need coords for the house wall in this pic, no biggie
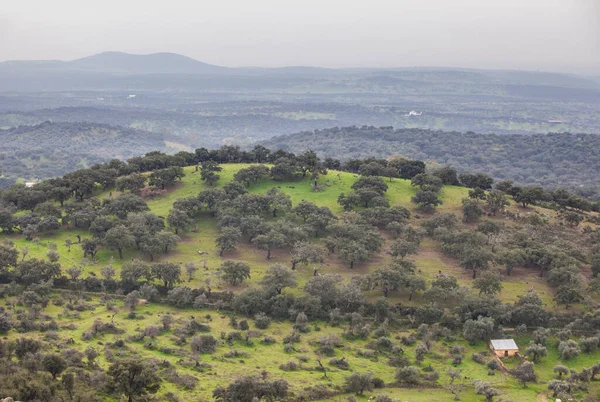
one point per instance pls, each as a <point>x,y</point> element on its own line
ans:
<point>501,353</point>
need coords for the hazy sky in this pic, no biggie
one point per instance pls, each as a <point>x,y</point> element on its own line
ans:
<point>559,35</point>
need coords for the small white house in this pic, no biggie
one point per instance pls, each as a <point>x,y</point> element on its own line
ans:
<point>504,347</point>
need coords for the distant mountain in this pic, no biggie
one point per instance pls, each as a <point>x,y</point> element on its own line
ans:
<point>160,71</point>
<point>120,63</point>
<point>157,63</point>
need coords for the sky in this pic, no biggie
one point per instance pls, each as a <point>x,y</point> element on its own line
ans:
<point>549,35</point>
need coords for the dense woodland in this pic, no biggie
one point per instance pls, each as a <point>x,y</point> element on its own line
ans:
<point>551,160</point>
<point>52,149</point>
<point>334,282</point>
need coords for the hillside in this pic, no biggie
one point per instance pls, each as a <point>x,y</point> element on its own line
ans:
<point>557,159</point>
<point>52,149</point>
<point>201,305</point>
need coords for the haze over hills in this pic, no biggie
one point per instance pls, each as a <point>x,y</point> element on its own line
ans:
<point>117,65</point>
<point>120,63</point>
<point>192,104</point>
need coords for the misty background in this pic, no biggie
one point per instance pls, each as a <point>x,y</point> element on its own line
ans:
<point>510,88</point>
<point>549,35</point>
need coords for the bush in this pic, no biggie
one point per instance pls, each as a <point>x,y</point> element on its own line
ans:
<point>408,375</point>
<point>408,341</point>
<point>268,340</point>
<point>359,382</point>
<point>204,344</point>
<point>289,366</point>
<point>478,358</point>
<point>589,345</point>
<point>378,382</point>
<point>432,376</point>
<point>399,361</point>
<point>262,321</point>
<point>293,337</point>
<point>568,349</point>
<point>341,363</point>
<point>236,354</point>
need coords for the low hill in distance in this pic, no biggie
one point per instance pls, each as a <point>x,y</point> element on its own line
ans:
<point>555,160</point>
<point>52,149</point>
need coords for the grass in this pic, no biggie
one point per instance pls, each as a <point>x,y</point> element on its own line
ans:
<point>429,261</point>
<point>260,357</point>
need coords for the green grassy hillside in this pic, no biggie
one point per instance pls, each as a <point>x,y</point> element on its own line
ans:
<point>252,356</point>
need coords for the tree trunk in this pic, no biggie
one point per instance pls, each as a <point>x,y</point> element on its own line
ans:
<point>351,264</point>
<point>474,273</point>
<point>275,213</point>
<point>120,253</point>
<point>221,253</point>
<point>410,295</point>
<point>268,254</point>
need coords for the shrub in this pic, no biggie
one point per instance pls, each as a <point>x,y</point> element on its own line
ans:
<point>433,376</point>
<point>341,363</point>
<point>478,358</point>
<point>293,337</point>
<point>378,382</point>
<point>589,345</point>
<point>327,344</point>
<point>568,349</point>
<point>493,365</point>
<point>289,366</point>
<point>408,341</point>
<point>234,336</point>
<point>262,321</point>
<point>399,361</point>
<point>204,344</point>
<point>359,382</point>
<point>408,375</point>
<point>268,340</point>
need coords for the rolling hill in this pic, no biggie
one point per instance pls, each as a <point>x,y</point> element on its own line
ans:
<point>554,160</point>
<point>202,333</point>
<point>51,149</point>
